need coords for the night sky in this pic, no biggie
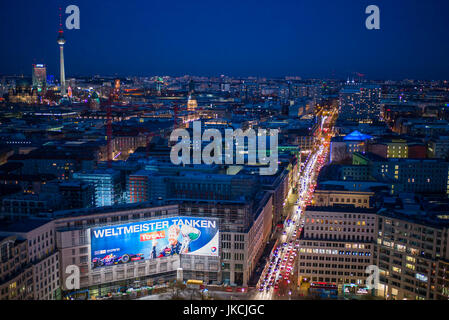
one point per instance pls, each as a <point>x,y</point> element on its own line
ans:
<point>313,38</point>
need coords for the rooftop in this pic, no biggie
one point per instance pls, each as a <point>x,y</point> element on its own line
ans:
<point>22,226</point>
<point>344,208</point>
<point>357,136</point>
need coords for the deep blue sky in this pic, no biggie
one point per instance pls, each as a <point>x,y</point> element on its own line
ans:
<point>313,38</point>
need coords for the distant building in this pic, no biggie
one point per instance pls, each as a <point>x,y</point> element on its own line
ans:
<point>417,150</point>
<point>408,175</point>
<point>398,148</point>
<point>192,104</point>
<point>342,148</point>
<point>329,198</point>
<point>61,162</point>
<point>108,190</point>
<point>77,194</point>
<point>303,137</point>
<point>439,147</point>
<point>139,186</point>
<point>39,77</point>
<point>360,102</point>
<point>20,206</point>
<point>23,93</point>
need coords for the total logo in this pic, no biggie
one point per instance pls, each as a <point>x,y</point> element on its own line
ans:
<point>213,249</point>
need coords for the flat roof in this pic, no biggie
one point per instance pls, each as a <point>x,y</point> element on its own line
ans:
<point>23,226</point>
<point>348,209</point>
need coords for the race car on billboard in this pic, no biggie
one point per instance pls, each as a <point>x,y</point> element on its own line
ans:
<point>112,259</point>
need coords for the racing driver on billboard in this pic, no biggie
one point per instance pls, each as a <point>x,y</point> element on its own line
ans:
<point>174,246</point>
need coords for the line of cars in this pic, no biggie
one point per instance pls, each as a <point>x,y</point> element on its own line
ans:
<point>281,264</point>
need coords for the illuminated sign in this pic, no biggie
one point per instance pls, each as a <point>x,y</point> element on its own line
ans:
<point>153,239</point>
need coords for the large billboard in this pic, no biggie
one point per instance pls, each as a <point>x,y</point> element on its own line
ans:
<point>153,239</point>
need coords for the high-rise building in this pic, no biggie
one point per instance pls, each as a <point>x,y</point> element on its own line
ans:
<point>61,42</point>
<point>360,102</point>
<point>39,77</point>
<point>159,83</point>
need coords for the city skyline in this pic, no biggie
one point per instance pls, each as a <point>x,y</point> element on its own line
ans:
<point>262,41</point>
<point>244,151</point>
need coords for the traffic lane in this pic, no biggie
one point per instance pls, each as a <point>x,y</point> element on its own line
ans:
<point>273,270</point>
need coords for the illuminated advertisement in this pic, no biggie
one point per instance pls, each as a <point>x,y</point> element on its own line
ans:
<point>153,239</point>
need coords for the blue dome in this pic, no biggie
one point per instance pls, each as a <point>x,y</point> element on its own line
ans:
<point>357,136</point>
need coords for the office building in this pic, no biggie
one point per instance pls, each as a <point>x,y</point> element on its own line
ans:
<point>337,245</point>
<point>412,254</point>
<point>107,185</point>
<point>39,77</point>
<point>360,102</point>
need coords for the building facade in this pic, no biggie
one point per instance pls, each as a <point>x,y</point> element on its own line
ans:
<point>337,245</point>
<point>412,256</point>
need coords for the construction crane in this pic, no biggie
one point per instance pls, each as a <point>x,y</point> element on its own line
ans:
<point>112,97</point>
<point>109,133</point>
<point>175,116</point>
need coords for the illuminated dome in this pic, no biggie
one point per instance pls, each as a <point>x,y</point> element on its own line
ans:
<point>192,104</point>
<point>357,136</point>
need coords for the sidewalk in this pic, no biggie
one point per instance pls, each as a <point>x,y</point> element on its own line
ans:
<point>262,261</point>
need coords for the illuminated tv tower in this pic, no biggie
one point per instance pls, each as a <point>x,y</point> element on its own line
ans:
<point>61,42</point>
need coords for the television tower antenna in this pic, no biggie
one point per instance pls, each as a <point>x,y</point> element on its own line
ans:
<point>61,41</point>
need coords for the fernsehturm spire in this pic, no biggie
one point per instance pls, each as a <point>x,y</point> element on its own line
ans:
<point>61,42</point>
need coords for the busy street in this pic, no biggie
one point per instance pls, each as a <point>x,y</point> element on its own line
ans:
<point>278,277</point>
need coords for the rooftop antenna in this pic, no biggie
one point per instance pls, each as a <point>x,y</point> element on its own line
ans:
<point>61,30</point>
